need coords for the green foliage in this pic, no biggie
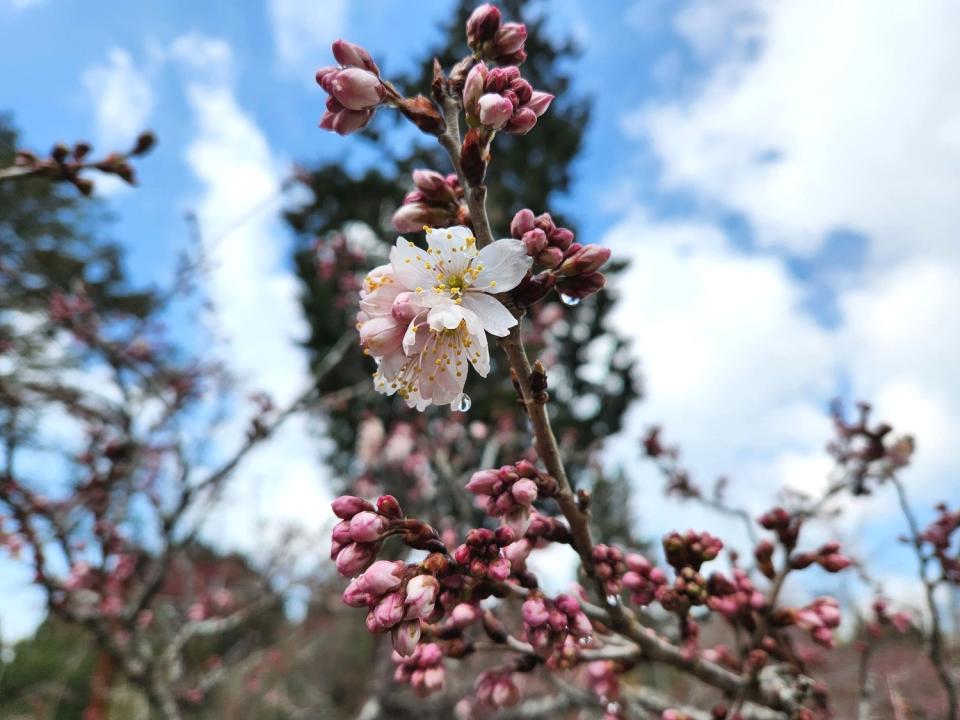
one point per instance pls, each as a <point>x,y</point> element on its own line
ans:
<point>49,676</point>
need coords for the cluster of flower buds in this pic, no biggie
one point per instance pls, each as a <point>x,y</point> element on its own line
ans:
<point>609,565</point>
<point>867,451</point>
<point>603,678</point>
<point>482,553</point>
<point>541,531</point>
<point>496,689</point>
<point>436,201</point>
<point>66,164</point>
<point>357,537</point>
<point>574,269</point>
<point>642,579</point>
<point>939,534</point>
<point>691,549</point>
<point>736,599</point>
<point>397,599</point>
<point>899,620</point>
<point>510,491</point>
<point>492,39</point>
<point>423,670</point>
<point>828,557</point>
<point>499,99</point>
<point>554,628</point>
<point>785,525</point>
<point>354,87</point>
<point>820,618</point>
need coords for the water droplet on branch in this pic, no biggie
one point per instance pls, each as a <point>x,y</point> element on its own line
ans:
<point>569,300</point>
<point>461,403</point>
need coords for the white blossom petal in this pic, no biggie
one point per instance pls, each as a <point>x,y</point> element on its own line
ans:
<point>496,319</point>
<point>412,266</point>
<point>505,262</point>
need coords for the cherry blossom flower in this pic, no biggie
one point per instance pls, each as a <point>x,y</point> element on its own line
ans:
<point>426,315</point>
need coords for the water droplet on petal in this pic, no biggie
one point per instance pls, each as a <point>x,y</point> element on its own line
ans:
<point>461,403</point>
<point>569,300</point>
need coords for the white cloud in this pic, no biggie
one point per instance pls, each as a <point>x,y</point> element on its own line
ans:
<point>303,31</point>
<point>846,116</point>
<point>122,99</point>
<point>254,294</point>
<point>812,117</point>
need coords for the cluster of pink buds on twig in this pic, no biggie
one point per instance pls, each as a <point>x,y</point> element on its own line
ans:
<point>509,492</point>
<point>492,39</point>
<point>690,549</point>
<point>572,268</point>
<point>555,628</point>
<point>356,89</point>
<point>500,99</point>
<point>642,579</point>
<point>865,451</point>
<point>357,538</point>
<point>940,536</point>
<point>436,201</point>
<point>541,531</point>
<point>66,164</point>
<point>609,565</point>
<point>736,599</point>
<point>423,670</point>
<point>396,601</point>
<point>493,689</point>
<point>482,553</point>
<point>828,557</point>
<point>882,617</point>
<point>820,618</point>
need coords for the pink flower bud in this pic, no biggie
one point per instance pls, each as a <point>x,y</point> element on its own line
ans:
<point>561,238</point>
<point>509,38</point>
<point>494,110</point>
<point>522,223</point>
<point>535,612</point>
<point>551,257</point>
<point>352,55</point>
<point>535,241</point>
<point>499,569</point>
<point>383,576</point>
<point>389,611</point>
<point>346,506</point>
<point>539,102</point>
<point>519,551</point>
<point>483,24</point>
<point>406,635</point>
<point>422,590</point>
<point>583,286</point>
<point>404,307</point>
<point>522,121</point>
<point>473,88</point>
<point>486,482</point>
<point>355,89</point>
<point>367,526</point>
<point>354,558</point>
<point>388,506</point>
<point>524,491</point>
<point>835,563</point>
<point>356,594</point>
<point>586,260</point>
<point>464,614</point>
<point>344,122</point>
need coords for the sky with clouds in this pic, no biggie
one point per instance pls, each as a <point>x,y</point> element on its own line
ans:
<point>783,175</point>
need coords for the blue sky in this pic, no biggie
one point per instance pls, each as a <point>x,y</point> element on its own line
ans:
<point>783,177</point>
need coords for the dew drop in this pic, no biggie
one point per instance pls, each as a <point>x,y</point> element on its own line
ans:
<point>569,300</point>
<point>461,403</point>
